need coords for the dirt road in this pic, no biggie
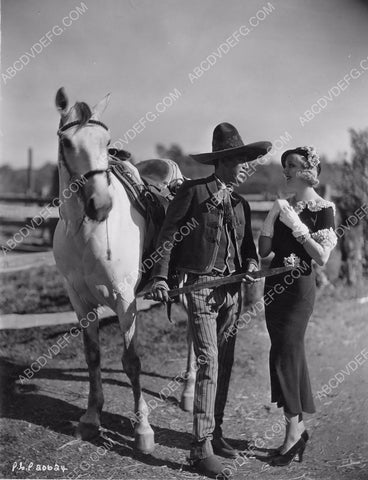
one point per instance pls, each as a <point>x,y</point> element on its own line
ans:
<point>39,417</point>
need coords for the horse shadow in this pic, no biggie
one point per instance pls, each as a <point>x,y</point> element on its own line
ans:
<point>104,323</point>
<point>26,403</point>
<point>76,375</point>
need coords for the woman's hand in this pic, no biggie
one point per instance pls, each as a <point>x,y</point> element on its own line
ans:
<point>267,227</point>
<point>291,219</point>
<point>277,206</point>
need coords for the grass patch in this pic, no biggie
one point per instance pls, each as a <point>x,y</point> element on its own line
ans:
<point>37,290</point>
<point>42,290</point>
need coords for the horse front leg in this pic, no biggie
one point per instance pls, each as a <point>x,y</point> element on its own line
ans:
<point>143,433</point>
<point>89,423</point>
<point>187,396</point>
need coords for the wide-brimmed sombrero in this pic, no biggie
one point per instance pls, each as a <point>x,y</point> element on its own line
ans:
<point>227,142</point>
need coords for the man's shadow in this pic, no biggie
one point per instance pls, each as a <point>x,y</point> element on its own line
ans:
<point>24,402</point>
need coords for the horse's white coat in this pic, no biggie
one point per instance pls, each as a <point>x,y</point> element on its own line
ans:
<point>100,260</point>
<point>81,246</point>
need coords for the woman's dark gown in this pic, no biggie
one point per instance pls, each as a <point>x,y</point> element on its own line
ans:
<point>289,300</point>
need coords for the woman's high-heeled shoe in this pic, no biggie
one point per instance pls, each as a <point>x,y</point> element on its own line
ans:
<point>304,436</point>
<point>288,457</point>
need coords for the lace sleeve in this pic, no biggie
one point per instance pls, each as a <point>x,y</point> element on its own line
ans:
<point>325,228</point>
<point>325,237</point>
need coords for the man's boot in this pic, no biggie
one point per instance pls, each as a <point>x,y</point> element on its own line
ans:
<point>210,466</point>
<point>221,447</point>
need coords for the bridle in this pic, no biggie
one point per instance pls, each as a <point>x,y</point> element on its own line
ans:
<point>90,173</point>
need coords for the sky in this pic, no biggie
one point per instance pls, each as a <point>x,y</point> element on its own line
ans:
<point>291,54</point>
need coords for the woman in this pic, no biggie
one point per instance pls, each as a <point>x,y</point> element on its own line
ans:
<point>297,231</point>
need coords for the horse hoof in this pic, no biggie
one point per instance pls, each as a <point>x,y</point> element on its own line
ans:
<point>87,431</point>
<point>186,403</point>
<point>145,442</point>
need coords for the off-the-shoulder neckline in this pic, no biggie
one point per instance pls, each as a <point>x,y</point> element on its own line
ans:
<point>314,205</point>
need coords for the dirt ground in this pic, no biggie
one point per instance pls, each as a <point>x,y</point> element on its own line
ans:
<point>39,418</point>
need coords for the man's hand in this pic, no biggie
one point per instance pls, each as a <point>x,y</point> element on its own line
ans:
<point>252,267</point>
<point>159,290</point>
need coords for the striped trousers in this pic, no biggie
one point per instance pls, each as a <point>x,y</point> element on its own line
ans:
<point>211,312</point>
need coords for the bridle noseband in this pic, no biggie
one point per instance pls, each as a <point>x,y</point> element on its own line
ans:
<point>90,173</point>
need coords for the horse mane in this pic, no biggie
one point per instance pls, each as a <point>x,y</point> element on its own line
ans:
<point>83,112</point>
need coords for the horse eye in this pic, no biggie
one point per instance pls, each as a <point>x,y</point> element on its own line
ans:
<point>66,142</point>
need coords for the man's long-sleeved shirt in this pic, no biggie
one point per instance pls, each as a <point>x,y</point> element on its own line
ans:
<point>190,238</point>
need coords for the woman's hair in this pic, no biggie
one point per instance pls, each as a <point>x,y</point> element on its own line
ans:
<point>311,167</point>
<point>309,176</point>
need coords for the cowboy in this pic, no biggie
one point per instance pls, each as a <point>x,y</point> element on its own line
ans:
<point>220,244</point>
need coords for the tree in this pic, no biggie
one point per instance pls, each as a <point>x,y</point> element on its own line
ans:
<point>353,206</point>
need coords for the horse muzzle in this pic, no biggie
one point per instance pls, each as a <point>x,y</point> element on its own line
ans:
<point>96,210</point>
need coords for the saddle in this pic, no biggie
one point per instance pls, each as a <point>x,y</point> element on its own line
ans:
<point>150,185</point>
<point>162,175</point>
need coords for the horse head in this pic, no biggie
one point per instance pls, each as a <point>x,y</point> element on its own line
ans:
<point>83,142</point>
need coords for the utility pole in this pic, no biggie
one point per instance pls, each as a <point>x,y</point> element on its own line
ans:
<point>29,173</point>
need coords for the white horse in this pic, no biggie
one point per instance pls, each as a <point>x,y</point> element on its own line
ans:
<point>98,247</point>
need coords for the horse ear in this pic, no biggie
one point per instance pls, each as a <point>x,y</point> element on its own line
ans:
<point>61,101</point>
<point>100,107</point>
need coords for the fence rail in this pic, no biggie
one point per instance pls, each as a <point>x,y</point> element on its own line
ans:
<point>34,215</point>
<point>15,263</point>
<point>19,212</point>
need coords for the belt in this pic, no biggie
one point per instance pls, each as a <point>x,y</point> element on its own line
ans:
<point>212,273</point>
<point>216,273</point>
